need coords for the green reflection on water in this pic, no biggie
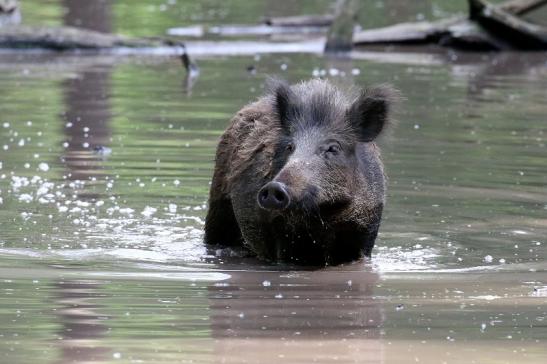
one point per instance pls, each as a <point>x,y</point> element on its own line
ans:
<point>465,164</point>
<point>149,18</point>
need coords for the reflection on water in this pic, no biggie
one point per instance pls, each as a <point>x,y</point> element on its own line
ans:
<point>465,176</point>
<point>81,325</point>
<point>325,304</point>
<point>298,317</point>
<point>86,120</point>
<point>88,112</point>
<point>95,15</point>
<point>345,314</point>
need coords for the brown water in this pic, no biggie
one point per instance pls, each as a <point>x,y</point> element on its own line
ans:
<point>104,169</point>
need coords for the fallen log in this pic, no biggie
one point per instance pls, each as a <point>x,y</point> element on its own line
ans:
<point>489,27</point>
<point>507,27</point>
<point>406,33</point>
<point>69,38</point>
<point>455,32</point>
<point>521,7</point>
<point>469,35</point>
<point>473,33</point>
<point>300,21</point>
<point>258,30</point>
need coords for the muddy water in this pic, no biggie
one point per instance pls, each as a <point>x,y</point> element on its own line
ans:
<point>104,170</point>
<point>105,165</point>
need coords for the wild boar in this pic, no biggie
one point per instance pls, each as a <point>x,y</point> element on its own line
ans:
<point>298,175</point>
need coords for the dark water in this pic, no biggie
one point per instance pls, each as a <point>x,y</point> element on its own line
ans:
<point>105,165</point>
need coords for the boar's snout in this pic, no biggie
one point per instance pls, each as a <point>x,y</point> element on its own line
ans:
<point>273,196</point>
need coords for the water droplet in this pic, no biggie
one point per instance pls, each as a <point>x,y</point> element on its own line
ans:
<point>148,211</point>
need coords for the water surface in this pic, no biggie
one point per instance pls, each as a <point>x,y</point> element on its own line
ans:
<point>105,163</point>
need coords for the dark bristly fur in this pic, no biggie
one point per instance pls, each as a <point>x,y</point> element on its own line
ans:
<point>318,143</point>
<point>368,115</point>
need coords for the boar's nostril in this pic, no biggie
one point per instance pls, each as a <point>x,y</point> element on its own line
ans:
<point>273,196</point>
<point>279,195</point>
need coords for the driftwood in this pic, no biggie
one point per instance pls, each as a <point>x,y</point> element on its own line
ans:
<point>69,38</point>
<point>300,21</point>
<point>340,34</point>
<point>258,30</point>
<point>521,7</point>
<point>406,33</point>
<point>469,35</point>
<point>489,27</point>
<point>454,32</point>
<point>271,26</point>
<point>516,32</point>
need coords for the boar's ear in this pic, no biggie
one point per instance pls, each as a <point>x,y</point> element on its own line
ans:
<point>369,114</point>
<point>285,102</point>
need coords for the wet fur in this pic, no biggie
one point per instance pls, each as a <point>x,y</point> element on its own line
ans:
<point>326,226</point>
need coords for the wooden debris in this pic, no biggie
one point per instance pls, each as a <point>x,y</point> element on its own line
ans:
<point>469,35</point>
<point>521,7</point>
<point>192,70</point>
<point>454,32</point>
<point>67,38</point>
<point>489,27</point>
<point>507,27</point>
<point>405,33</point>
<point>340,34</point>
<point>300,21</point>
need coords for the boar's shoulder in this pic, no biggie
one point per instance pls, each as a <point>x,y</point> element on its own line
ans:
<point>249,142</point>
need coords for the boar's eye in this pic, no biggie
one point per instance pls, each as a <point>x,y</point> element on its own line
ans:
<point>290,147</point>
<point>332,149</point>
